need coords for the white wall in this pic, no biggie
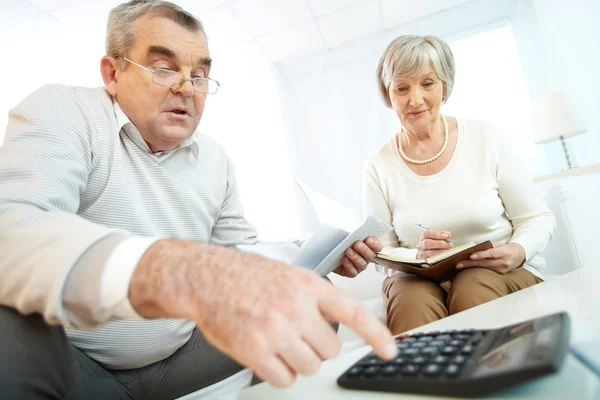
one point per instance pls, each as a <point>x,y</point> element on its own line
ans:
<point>571,38</point>
<point>559,44</point>
<point>245,117</point>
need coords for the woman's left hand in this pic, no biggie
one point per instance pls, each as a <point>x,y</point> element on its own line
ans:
<point>357,257</point>
<point>502,258</point>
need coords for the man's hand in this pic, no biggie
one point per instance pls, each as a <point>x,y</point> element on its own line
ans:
<point>357,257</point>
<point>502,258</point>
<point>267,315</point>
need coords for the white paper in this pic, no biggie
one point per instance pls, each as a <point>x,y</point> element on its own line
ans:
<point>321,243</point>
<point>285,252</point>
<point>331,243</point>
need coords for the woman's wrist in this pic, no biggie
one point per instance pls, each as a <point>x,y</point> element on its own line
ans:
<point>520,254</point>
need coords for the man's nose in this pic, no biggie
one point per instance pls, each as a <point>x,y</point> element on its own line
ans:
<point>186,87</point>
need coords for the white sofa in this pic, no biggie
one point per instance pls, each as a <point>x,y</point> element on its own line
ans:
<point>574,202</point>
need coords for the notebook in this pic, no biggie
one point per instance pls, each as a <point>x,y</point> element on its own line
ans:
<point>439,268</point>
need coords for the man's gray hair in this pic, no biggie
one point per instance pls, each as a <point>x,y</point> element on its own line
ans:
<point>120,35</point>
<point>409,56</point>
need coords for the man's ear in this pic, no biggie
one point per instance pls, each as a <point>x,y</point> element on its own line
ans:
<point>108,69</point>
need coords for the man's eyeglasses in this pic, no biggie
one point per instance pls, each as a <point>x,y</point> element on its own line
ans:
<point>173,79</point>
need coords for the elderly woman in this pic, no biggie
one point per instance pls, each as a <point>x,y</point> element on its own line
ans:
<point>455,176</point>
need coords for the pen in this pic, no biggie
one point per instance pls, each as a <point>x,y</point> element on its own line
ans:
<point>421,227</point>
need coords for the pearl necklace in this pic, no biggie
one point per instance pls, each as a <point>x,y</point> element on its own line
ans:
<point>420,162</point>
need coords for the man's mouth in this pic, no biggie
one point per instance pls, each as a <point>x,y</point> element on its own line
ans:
<point>179,111</point>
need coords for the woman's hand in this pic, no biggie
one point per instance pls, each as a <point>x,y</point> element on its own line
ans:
<point>431,243</point>
<point>357,257</point>
<point>502,258</point>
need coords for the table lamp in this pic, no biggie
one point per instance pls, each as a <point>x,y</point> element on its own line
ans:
<point>555,118</point>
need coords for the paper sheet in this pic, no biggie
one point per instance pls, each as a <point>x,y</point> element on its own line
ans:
<point>331,243</point>
<point>285,252</point>
<point>323,252</point>
<point>321,243</point>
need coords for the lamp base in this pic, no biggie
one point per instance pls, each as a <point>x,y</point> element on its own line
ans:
<point>564,146</point>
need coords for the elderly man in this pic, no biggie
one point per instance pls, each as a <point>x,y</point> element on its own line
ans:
<point>115,223</point>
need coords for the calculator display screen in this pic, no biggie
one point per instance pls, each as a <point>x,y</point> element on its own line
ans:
<point>512,350</point>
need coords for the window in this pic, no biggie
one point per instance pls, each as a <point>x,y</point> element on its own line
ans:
<point>490,85</point>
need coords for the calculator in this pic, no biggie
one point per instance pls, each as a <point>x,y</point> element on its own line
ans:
<point>466,363</point>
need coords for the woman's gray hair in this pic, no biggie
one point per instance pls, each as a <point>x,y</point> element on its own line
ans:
<point>409,56</point>
<point>120,35</point>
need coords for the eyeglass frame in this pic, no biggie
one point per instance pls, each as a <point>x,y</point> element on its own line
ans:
<point>181,81</point>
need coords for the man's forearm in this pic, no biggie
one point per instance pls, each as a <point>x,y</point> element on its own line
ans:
<point>173,275</point>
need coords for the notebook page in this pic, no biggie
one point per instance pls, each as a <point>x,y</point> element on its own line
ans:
<point>449,253</point>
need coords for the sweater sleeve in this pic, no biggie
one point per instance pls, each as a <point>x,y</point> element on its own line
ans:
<point>232,228</point>
<point>376,204</point>
<point>45,162</point>
<point>533,222</point>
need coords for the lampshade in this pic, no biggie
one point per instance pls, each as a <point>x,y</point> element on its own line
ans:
<point>554,116</point>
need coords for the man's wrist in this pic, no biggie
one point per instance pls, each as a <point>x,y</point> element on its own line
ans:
<point>159,285</point>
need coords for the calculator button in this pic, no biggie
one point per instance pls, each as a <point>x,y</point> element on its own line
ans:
<point>410,340</point>
<point>371,360</point>
<point>440,360</point>
<point>468,349</point>
<point>457,343</point>
<point>429,351</point>
<point>445,338</point>
<point>400,360</point>
<point>453,370</point>
<point>401,338</point>
<point>425,339</point>
<point>432,370</point>
<point>371,371</point>
<point>354,372</point>
<point>419,360</point>
<point>417,335</point>
<point>459,360</point>
<point>409,370</point>
<point>437,343</point>
<point>462,336</point>
<point>389,370</point>
<point>410,352</point>
<point>402,345</point>
<point>419,345</point>
<point>449,350</point>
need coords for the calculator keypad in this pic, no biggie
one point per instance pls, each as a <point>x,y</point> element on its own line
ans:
<point>450,363</point>
<point>427,355</point>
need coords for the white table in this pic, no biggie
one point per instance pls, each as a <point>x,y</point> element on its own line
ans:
<point>577,292</point>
